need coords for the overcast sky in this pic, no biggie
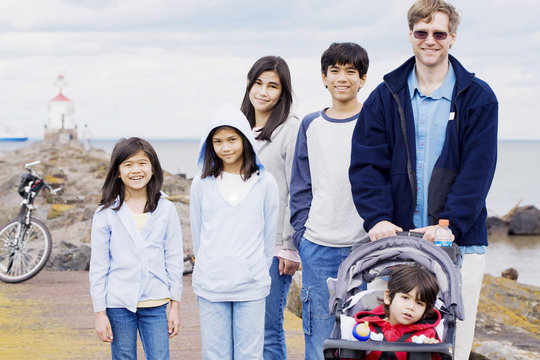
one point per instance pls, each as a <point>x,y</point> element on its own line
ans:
<point>159,68</point>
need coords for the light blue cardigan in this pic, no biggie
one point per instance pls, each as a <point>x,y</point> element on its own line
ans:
<point>128,265</point>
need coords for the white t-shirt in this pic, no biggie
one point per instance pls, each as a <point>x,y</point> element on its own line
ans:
<point>233,188</point>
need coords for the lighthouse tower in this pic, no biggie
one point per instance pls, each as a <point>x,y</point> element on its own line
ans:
<point>60,126</point>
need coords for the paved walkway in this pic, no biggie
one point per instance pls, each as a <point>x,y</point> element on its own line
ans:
<point>50,317</point>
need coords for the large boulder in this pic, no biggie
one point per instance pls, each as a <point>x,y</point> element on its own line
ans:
<point>525,221</point>
<point>496,226</point>
<point>508,320</point>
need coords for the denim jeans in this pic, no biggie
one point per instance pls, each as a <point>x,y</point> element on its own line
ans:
<point>318,264</point>
<point>274,336</point>
<point>152,325</point>
<point>232,330</point>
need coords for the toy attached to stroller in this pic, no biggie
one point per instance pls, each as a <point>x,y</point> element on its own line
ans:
<point>373,260</point>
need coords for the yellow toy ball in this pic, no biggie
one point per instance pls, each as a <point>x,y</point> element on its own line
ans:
<point>361,331</point>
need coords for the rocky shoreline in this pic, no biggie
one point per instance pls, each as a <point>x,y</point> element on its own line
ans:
<point>508,324</point>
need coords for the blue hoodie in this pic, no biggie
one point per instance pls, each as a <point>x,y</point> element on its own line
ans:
<point>383,158</point>
<point>233,244</point>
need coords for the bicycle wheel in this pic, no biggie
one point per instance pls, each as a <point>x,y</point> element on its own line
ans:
<point>24,250</point>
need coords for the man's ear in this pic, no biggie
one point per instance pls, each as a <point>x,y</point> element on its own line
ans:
<point>323,77</point>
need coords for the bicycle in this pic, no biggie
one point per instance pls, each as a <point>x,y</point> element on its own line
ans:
<point>25,242</point>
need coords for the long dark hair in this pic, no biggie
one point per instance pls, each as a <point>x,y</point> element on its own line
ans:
<point>113,187</point>
<point>213,165</point>
<point>281,110</point>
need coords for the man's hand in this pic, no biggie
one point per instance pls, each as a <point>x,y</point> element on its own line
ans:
<point>428,231</point>
<point>383,229</point>
<point>103,327</point>
<point>287,267</point>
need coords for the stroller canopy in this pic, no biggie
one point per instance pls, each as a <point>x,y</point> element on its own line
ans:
<point>374,259</point>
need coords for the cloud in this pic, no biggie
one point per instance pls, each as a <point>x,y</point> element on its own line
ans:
<point>157,68</point>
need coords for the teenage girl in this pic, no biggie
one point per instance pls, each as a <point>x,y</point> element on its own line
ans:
<point>233,209</point>
<point>137,256</point>
<point>267,104</point>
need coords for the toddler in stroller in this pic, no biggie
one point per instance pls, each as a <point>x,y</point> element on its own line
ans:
<point>378,259</point>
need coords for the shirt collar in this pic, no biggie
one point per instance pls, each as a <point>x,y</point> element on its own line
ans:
<point>445,91</point>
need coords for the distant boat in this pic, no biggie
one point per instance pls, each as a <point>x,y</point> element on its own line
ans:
<point>9,136</point>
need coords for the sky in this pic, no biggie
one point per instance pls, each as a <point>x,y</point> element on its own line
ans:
<point>159,69</point>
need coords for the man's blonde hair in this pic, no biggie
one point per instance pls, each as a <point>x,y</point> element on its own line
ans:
<point>425,10</point>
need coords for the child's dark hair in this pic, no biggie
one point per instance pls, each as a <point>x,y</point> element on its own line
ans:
<point>213,165</point>
<point>343,54</point>
<point>405,278</point>
<point>281,110</point>
<point>113,187</point>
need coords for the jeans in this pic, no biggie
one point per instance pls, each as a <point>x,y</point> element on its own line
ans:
<point>232,330</point>
<point>318,264</point>
<point>274,336</point>
<point>152,325</point>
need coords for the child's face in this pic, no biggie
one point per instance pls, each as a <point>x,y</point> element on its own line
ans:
<point>405,308</point>
<point>229,148</point>
<point>136,172</point>
<point>343,82</point>
<point>265,92</point>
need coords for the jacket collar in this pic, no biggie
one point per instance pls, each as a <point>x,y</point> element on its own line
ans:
<point>397,79</point>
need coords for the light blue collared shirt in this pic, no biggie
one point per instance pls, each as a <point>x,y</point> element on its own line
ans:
<point>431,113</point>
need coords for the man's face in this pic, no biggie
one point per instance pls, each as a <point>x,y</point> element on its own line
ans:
<point>431,52</point>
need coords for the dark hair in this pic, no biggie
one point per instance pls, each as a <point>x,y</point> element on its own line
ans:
<point>114,187</point>
<point>281,110</point>
<point>343,54</point>
<point>213,165</point>
<point>425,10</point>
<point>405,278</point>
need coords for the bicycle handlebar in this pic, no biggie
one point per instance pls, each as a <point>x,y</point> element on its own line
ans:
<point>26,166</point>
<point>51,189</point>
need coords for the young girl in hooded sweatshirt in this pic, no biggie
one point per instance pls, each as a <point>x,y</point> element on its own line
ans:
<point>233,210</point>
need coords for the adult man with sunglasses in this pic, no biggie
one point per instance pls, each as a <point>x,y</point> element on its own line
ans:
<point>424,148</point>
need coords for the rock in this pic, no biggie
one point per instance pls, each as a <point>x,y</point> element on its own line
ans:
<point>525,221</point>
<point>70,257</point>
<point>496,226</point>
<point>510,273</point>
<point>294,304</point>
<point>508,320</point>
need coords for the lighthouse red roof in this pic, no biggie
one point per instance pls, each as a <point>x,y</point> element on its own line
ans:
<point>60,97</point>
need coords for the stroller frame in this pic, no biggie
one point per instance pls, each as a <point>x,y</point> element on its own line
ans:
<point>374,259</point>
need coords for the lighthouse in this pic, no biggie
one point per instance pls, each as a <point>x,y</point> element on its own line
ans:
<point>61,126</point>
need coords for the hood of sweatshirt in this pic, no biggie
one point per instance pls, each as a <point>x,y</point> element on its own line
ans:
<point>229,115</point>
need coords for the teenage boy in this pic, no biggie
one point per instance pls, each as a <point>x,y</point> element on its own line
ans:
<point>425,148</point>
<point>323,216</point>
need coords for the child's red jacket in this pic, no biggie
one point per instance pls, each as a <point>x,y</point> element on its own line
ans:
<point>391,332</point>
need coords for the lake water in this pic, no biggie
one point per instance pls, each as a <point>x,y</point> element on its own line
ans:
<point>516,178</point>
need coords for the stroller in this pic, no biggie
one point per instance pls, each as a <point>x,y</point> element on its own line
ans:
<point>375,259</point>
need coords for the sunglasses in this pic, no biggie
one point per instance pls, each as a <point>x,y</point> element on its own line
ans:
<point>437,35</point>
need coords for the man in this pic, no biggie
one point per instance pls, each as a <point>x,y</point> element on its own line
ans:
<point>424,149</point>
